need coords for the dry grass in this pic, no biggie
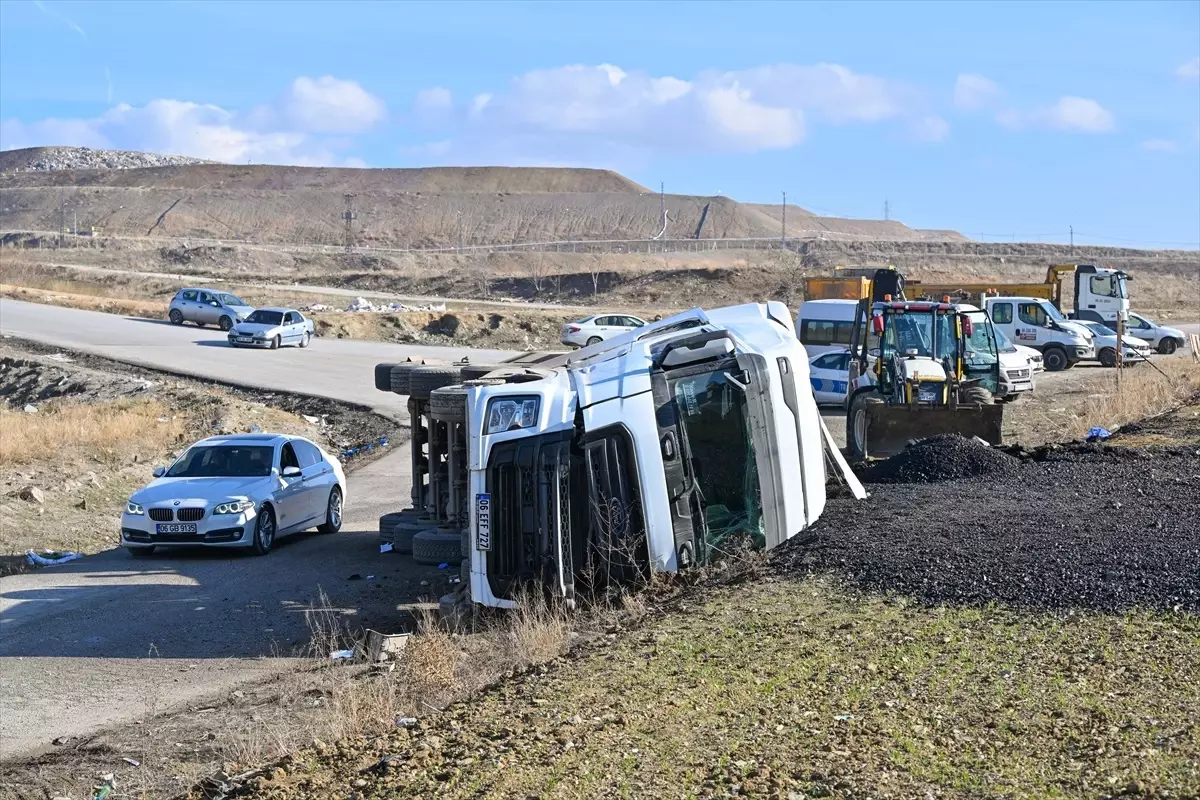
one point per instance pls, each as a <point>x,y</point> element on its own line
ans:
<point>97,301</point>
<point>110,432</point>
<point>1137,393</point>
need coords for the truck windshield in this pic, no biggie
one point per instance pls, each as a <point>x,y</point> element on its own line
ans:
<point>715,423</point>
<point>1051,312</point>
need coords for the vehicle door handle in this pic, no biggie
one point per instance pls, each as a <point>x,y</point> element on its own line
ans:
<point>668,447</point>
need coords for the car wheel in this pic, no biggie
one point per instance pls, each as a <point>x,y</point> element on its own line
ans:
<point>1167,346</point>
<point>1108,357</point>
<point>333,513</point>
<point>226,323</point>
<point>307,338</point>
<point>594,340</point>
<point>275,342</point>
<point>176,316</point>
<point>140,552</point>
<point>1055,359</point>
<point>264,531</point>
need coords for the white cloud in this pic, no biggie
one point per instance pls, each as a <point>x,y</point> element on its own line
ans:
<point>1189,70</point>
<point>261,135</point>
<point>1160,146</point>
<point>1076,114</point>
<point>330,105</point>
<point>589,109</point>
<point>973,92</point>
<point>433,103</point>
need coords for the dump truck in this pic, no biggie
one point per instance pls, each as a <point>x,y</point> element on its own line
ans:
<point>659,449</point>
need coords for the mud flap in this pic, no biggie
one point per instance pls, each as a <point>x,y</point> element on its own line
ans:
<point>891,427</point>
<point>852,481</point>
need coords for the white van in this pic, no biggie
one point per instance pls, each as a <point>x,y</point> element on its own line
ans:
<point>824,326</point>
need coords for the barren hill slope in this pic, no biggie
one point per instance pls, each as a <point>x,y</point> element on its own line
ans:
<point>431,207</point>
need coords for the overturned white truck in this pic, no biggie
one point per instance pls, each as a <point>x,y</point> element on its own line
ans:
<point>652,451</point>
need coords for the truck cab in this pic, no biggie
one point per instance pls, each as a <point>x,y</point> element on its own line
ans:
<point>1101,293</point>
<point>1035,322</point>
<point>652,451</point>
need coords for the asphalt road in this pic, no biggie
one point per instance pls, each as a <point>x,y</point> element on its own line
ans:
<point>334,368</point>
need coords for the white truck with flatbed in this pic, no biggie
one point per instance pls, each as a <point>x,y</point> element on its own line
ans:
<point>1035,322</point>
<point>655,450</point>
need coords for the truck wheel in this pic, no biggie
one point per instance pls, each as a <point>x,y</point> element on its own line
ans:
<point>423,380</point>
<point>437,546</point>
<point>471,372</point>
<point>405,530</point>
<point>383,377</point>
<point>1167,346</point>
<point>389,521</point>
<point>856,423</point>
<point>1108,357</point>
<point>449,403</point>
<point>978,396</point>
<point>1055,359</point>
<point>400,377</point>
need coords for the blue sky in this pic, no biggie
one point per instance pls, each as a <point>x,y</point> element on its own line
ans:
<point>995,119</point>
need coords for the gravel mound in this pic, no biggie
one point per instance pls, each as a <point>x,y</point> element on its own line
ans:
<point>49,159</point>
<point>1085,528</point>
<point>945,457</point>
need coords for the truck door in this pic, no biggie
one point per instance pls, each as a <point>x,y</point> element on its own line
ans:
<point>1099,294</point>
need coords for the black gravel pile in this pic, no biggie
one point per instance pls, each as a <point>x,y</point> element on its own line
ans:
<point>946,457</point>
<point>1080,527</point>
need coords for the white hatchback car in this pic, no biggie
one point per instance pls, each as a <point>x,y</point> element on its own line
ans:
<point>245,490</point>
<point>595,329</point>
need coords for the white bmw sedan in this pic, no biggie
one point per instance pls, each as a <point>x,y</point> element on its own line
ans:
<point>237,491</point>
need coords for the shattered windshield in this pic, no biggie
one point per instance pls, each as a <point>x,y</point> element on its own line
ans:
<point>715,423</point>
<point>920,333</point>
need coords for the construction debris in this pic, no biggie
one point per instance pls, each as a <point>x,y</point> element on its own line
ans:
<point>946,457</point>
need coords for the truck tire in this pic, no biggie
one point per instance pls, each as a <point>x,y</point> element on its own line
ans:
<point>1054,359</point>
<point>436,546</point>
<point>423,380</point>
<point>1108,357</point>
<point>404,531</point>
<point>388,522</point>
<point>978,396</point>
<point>399,377</point>
<point>464,571</point>
<point>383,381</point>
<point>465,543</point>
<point>856,423</point>
<point>474,371</point>
<point>1167,346</point>
<point>449,403</point>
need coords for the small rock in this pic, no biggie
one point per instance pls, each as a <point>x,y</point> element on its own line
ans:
<point>239,694</point>
<point>60,741</point>
<point>30,409</point>
<point>33,494</point>
<point>360,783</point>
<point>82,505</point>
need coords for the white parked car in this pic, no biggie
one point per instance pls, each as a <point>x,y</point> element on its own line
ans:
<point>1105,337</point>
<point>595,329</point>
<point>829,374</point>
<point>245,490</point>
<point>1163,339</point>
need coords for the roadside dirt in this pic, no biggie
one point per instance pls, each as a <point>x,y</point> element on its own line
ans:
<point>124,420</point>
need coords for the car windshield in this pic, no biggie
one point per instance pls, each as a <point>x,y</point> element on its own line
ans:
<point>224,461</point>
<point>231,300</point>
<point>1003,343</point>
<point>716,427</point>
<point>1099,330</point>
<point>265,318</point>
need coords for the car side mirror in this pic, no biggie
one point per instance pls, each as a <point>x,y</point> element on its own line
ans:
<point>291,472</point>
<point>160,471</point>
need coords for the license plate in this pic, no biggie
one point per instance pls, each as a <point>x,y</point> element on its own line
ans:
<point>928,395</point>
<point>483,522</point>
<point>243,339</point>
<point>175,527</point>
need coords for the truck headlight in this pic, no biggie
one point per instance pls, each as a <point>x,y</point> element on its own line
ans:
<point>511,413</point>
<point>233,507</point>
<point>134,508</point>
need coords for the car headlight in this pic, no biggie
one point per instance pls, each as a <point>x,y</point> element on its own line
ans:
<point>134,508</point>
<point>511,413</point>
<point>233,507</point>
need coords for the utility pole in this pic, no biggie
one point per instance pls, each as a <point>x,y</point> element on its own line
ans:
<point>662,204</point>
<point>783,221</point>
<point>458,214</point>
<point>62,215</point>
<point>887,210</point>
<point>348,217</point>
<point>1072,227</point>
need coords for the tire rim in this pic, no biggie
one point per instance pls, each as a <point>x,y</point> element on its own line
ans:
<point>860,430</point>
<point>335,508</point>
<point>266,530</point>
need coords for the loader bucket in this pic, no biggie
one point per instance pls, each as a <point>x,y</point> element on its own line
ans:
<point>891,427</point>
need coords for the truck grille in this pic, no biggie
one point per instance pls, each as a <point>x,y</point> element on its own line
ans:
<point>191,514</point>
<point>161,514</point>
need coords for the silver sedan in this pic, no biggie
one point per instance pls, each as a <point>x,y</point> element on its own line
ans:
<point>273,328</point>
<point>241,491</point>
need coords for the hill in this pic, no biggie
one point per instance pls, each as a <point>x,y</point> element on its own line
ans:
<point>418,208</point>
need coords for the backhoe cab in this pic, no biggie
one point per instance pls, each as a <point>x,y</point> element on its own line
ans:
<point>920,369</point>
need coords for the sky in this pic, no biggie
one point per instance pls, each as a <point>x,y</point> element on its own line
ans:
<point>1009,120</point>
